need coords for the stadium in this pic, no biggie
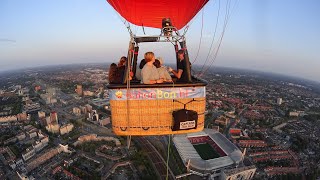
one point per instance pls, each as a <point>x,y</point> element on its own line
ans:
<point>207,153</point>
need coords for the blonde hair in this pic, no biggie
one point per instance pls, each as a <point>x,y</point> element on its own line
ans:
<point>148,56</point>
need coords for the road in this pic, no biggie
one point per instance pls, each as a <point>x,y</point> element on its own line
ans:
<point>158,162</point>
<point>253,104</point>
<point>89,128</point>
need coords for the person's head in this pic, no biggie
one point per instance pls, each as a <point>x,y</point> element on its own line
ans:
<point>156,63</point>
<point>122,61</point>
<point>181,54</point>
<point>113,65</point>
<point>142,63</point>
<point>149,57</point>
<point>161,60</point>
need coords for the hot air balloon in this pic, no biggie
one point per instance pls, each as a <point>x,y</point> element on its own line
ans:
<point>157,109</point>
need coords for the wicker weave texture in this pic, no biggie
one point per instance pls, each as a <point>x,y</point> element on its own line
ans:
<point>152,117</point>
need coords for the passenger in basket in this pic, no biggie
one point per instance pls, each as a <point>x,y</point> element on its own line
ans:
<point>122,61</point>
<point>141,65</point>
<point>122,67</point>
<point>149,73</point>
<point>163,72</point>
<point>114,75</point>
<point>181,72</point>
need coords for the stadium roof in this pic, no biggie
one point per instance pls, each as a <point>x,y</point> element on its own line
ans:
<point>188,152</point>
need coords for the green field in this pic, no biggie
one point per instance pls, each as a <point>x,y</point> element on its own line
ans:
<point>206,151</point>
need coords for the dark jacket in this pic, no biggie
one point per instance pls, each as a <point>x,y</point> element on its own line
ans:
<point>116,74</point>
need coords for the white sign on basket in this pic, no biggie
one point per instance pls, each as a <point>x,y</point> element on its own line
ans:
<point>187,124</point>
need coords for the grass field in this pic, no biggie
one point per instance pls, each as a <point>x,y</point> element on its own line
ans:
<point>206,151</point>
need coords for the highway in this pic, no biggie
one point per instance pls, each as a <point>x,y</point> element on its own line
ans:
<point>157,161</point>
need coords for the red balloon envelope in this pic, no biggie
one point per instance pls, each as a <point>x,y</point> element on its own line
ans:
<point>150,13</point>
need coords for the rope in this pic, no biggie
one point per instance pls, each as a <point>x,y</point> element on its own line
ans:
<point>193,19</point>
<point>213,38</point>
<point>143,30</point>
<point>128,89</point>
<point>158,113</point>
<point>200,37</point>
<point>128,109</point>
<point>168,155</point>
<point>123,20</point>
<point>226,20</point>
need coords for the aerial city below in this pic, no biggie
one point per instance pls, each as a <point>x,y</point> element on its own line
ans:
<point>168,90</point>
<point>56,124</point>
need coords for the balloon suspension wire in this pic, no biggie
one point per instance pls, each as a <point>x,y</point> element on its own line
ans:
<point>128,91</point>
<point>144,32</point>
<point>200,38</point>
<point>213,37</point>
<point>128,108</point>
<point>168,156</point>
<point>185,30</point>
<point>225,25</point>
<point>125,23</point>
<point>192,20</point>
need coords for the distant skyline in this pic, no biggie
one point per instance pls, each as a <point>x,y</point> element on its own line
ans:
<point>268,35</point>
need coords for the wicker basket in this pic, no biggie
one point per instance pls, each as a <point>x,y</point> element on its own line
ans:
<point>152,117</point>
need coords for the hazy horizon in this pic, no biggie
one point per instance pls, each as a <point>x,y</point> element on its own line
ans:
<point>269,36</point>
<point>212,70</point>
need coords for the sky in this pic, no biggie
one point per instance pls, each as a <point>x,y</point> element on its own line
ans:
<point>266,35</point>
